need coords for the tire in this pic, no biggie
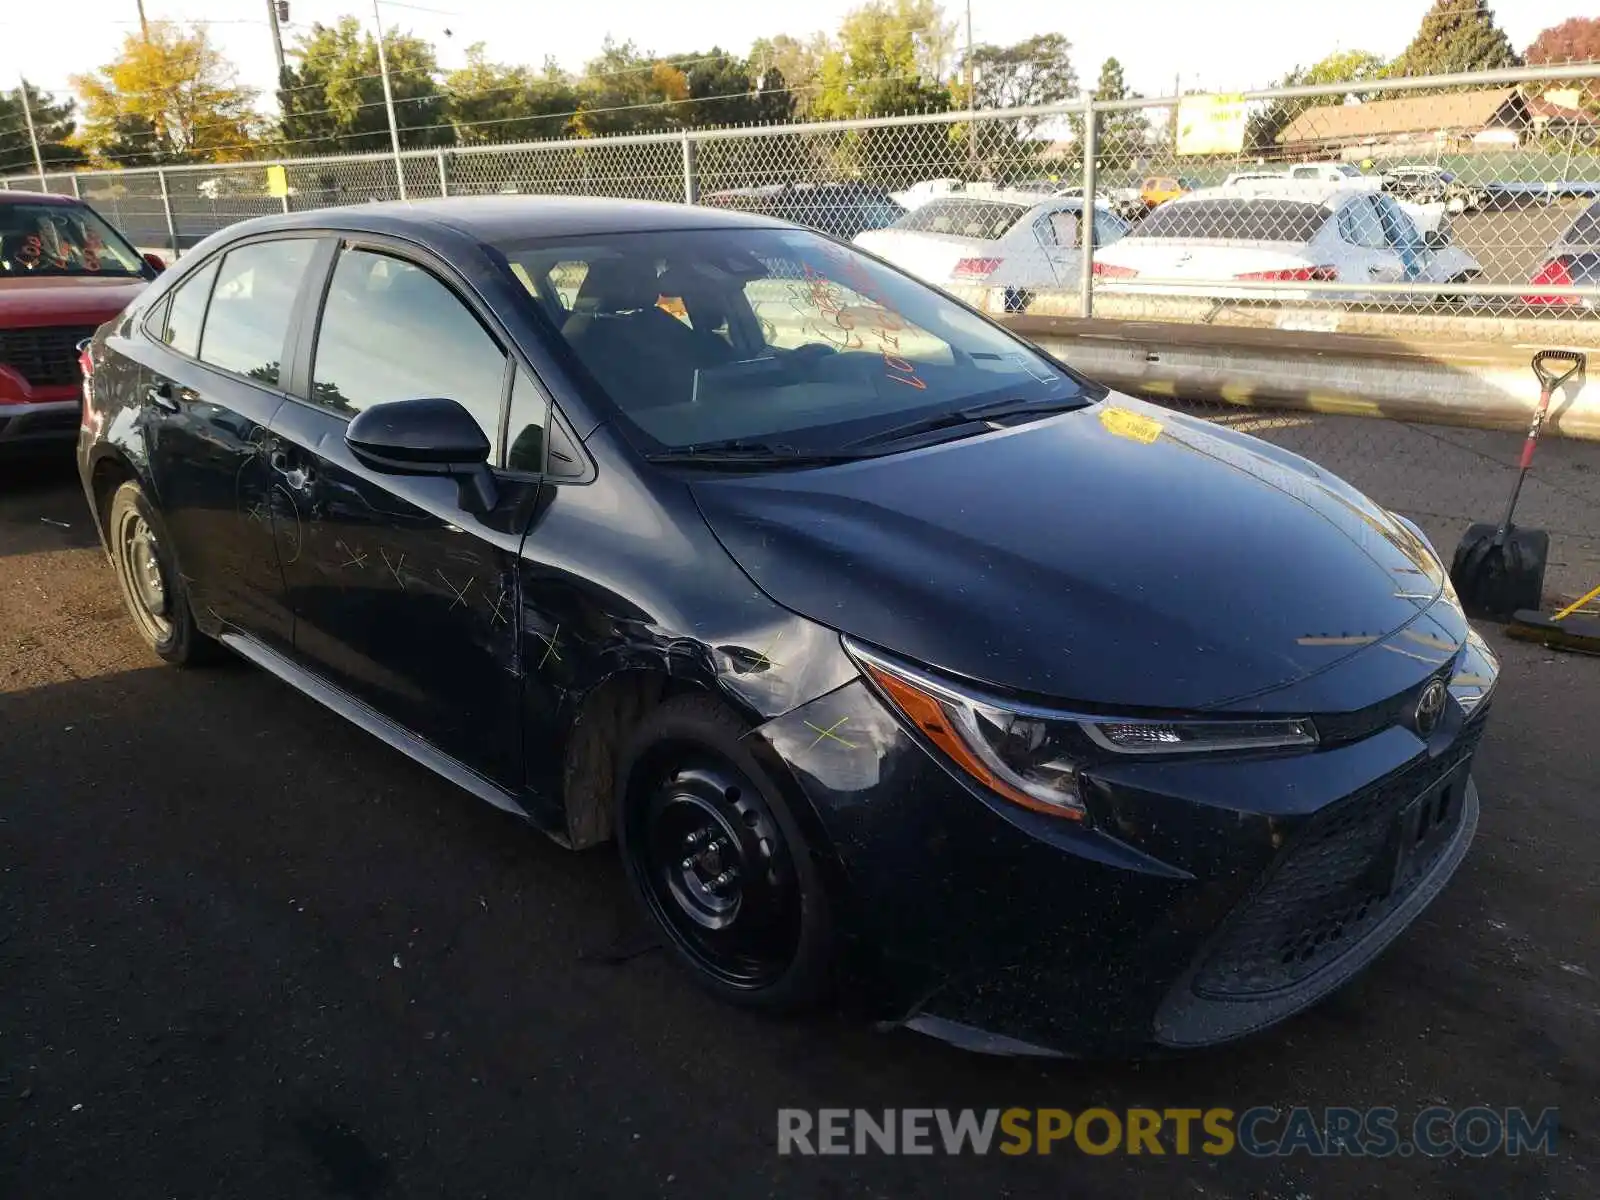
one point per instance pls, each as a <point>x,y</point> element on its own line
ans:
<point>687,779</point>
<point>152,587</point>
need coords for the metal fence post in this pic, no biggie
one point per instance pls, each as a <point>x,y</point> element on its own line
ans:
<point>444,177</point>
<point>166,207</point>
<point>691,174</point>
<point>77,193</point>
<point>1091,147</point>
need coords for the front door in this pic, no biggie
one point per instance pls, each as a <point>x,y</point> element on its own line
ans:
<point>210,389</point>
<point>402,597</point>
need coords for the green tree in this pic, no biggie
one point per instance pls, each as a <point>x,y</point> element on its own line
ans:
<point>169,96</point>
<point>492,102</point>
<point>332,97</point>
<point>1123,136</point>
<point>1345,66</point>
<point>53,124</point>
<point>1037,70</point>
<point>1456,35</point>
<point>889,57</point>
<point>727,90</point>
<point>797,64</point>
<point>624,91</point>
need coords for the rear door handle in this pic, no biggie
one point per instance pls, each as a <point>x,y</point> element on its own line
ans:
<point>160,394</point>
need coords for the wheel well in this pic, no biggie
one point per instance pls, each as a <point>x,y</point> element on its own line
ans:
<point>604,721</point>
<point>109,474</point>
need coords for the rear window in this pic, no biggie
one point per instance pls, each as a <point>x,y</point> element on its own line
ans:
<point>1585,230</point>
<point>1253,220</point>
<point>985,219</point>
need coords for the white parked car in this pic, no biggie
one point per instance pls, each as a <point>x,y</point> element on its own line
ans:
<point>1238,238</point>
<point>1012,243</point>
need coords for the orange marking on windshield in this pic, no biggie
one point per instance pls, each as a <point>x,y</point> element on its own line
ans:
<point>886,320</point>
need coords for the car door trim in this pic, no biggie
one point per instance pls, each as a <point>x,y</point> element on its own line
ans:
<point>394,735</point>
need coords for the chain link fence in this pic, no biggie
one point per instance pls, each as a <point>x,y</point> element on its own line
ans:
<point>1461,206</point>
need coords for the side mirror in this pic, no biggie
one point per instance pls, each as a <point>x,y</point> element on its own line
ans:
<point>1436,239</point>
<point>156,261</point>
<point>426,437</point>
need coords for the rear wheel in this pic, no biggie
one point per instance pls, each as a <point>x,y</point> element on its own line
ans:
<point>152,588</point>
<point>714,855</point>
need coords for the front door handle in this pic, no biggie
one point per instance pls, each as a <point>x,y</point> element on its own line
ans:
<point>296,476</point>
<point>160,394</point>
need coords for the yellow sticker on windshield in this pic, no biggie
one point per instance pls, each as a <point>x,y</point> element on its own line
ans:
<point>1131,425</point>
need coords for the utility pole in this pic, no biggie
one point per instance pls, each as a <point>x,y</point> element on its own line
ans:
<point>388,103</point>
<point>144,26</point>
<point>33,137</point>
<point>972,126</point>
<point>277,32</point>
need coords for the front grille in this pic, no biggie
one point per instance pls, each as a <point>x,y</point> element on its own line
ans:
<point>45,357</point>
<point>1333,883</point>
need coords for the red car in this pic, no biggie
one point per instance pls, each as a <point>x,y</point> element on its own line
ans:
<point>64,272</point>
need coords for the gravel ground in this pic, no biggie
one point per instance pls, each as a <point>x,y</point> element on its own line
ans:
<point>247,951</point>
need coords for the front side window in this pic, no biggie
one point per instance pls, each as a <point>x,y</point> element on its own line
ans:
<point>392,331</point>
<point>188,310</point>
<point>700,336</point>
<point>1359,225</point>
<point>62,239</point>
<point>251,306</point>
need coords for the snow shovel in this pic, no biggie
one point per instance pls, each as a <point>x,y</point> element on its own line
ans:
<point>1499,569</point>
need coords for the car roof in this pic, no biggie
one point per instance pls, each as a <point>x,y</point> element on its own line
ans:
<point>1326,192</point>
<point>497,218</point>
<point>10,197</point>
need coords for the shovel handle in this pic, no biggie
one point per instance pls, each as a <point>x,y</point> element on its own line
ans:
<point>1549,380</point>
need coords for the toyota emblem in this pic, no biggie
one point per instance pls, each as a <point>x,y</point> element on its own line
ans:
<point>1430,706</point>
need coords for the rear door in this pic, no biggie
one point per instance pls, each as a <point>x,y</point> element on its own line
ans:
<point>211,384</point>
<point>403,598</point>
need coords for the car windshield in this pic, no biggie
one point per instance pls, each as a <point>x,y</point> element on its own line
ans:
<point>1585,231</point>
<point>1237,220</point>
<point>62,239</point>
<point>772,336</point>
<point>982,219</point>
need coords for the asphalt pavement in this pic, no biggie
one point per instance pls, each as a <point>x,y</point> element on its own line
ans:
<point>247,951</point>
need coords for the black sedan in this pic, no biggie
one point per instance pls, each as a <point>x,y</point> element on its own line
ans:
<point>901,661</point>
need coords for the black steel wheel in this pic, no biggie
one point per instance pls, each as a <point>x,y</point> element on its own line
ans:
<point>152,588</point>
<point>716,859</point>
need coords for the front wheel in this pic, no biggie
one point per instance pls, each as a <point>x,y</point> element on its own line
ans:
<point>714,855</point>
<point>152,587</point>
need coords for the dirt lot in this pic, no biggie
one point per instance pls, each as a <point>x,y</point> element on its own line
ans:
<point>247,951</point>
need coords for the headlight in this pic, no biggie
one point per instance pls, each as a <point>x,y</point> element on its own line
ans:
<point>1477,671</point>
<point>1032,757</point>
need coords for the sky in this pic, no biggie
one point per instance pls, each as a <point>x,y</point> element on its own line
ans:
<point>1220,45</point>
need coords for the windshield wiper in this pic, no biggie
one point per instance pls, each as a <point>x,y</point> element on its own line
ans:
<point>995,410</point>
<point>737,452</point>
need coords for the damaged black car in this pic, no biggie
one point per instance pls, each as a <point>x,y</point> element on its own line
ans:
<point>901,662</point>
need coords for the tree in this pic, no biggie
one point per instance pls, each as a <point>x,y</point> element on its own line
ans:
<point>53,124</point>
<point>1035,71</point>
<point>889,58</point>
<point>1456,35</point>
<point>169,96</point>
<point>332,97</point>
<point>725,90</point>
<point>1345,66</point>
<point>1123,136</point>
<point>798,65</point>
<point>492,102</point>
<point>1574,40</point>
<point>624,91</point>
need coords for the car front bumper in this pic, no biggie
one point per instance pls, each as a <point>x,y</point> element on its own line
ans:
<point>1207,899</point>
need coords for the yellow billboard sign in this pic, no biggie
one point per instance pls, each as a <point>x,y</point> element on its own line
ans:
<point>1211,124</point>
<point>277,181</point>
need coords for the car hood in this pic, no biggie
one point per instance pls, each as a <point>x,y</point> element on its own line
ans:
<point>1118,555</point>
<point>64,299</point>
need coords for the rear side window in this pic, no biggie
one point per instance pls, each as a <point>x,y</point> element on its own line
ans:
<point>982,219</point>
<point>1585,230</point>
<point>392,331</point>
<point>1359,225</point>
<point>251,306</point>
<point>188,310</point>
<point>1246,220</point>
